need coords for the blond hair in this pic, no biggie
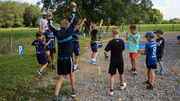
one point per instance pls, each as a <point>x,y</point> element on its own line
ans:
<point>93,25</point>
<point>115,30</point>
<point>64,23</point>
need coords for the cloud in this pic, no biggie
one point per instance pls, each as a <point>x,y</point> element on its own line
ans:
<point>170,9</point>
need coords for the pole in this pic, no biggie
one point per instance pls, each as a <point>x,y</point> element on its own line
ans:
<point>10,43</point>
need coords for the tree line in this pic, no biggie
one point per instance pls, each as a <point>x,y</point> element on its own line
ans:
<point>15,14</point>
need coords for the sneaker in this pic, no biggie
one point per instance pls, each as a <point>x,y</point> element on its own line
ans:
<point>156,71</point>
<point>134,71</point>
<point>40,73</point>
<point>73,94</point>
<point>53,67</point>
<point>147,82</point>
<point>150,86</point>
<point>111,93</point>
<point>124,86</point>
<point>161,70</point>
<point>77,68</point>
<point>58,99</point>
<point>94,63</point>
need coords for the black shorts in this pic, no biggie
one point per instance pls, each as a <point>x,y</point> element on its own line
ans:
<point>116,65</point>
<point>76,49</point>
<point>151,66</point>
<point>65,66</point>
<point>159,56</point>
<point>41,58</point>
<point>94,47</point>
<point>52,50</point>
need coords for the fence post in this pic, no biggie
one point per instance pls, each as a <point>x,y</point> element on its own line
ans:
<point>173,27</point>
<point>10,43</point>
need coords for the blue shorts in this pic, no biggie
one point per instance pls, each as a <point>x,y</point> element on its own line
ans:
<point>178,37</point>
<point>41,58</point>
<point>76,49</point>
<point>94,47</point>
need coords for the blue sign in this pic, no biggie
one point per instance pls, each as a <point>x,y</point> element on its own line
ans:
<point>20,50</point>
<point>141,46</point>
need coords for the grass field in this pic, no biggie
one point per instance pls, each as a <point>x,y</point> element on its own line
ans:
<point>18,74</point>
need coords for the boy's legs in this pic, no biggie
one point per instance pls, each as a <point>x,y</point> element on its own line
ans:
<point>121,76</point>
<point>152,76</point>
<point>72,81</point>
<point>48,56</point>
<point>76,62</point>
<point>53,58</point>
<point>149,75</point>
<point>58,85</point>
<point>134,62</point>
<point>43,66</point>
<point>94,55</point>
<point>112,82</point>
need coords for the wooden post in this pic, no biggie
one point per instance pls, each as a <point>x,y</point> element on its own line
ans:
<point>173,27</point>
<point>10,43</point>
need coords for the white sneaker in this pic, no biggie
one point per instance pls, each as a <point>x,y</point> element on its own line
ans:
<point>124,86</point>
<point>111,93</point>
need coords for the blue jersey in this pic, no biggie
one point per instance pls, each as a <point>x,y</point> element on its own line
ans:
<point>150,50</point>
<point>64,37</point>
<point>94,36</point>
<point>49,35</point>
<point>160,49</point>
<point>39,46</point>
<point>75,36</point>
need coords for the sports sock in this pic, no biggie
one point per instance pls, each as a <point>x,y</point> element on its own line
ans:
<point>52,65</point>
<point>73,90</point>
<point>111,90</point>
<point>161,64</point>
<point>56,96</point>
<point>93,59</point>
<point>40,70</point>
<point>75,66</point>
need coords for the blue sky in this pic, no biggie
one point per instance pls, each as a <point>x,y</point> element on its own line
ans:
<point>169,8</point>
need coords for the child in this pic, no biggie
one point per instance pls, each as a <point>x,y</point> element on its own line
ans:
<point>100,42</point>
<point>76,48</point>
<point>41,56</point>
<point>151,59</point>
<point>160,49</point>
<point>178,38</point>
<point>94,45</point>
<point>116,46</point>
<point>65,51</point>
<point>134,38</point>
<point>50,49</point>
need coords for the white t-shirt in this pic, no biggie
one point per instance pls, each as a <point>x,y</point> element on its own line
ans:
<point>43,23</point>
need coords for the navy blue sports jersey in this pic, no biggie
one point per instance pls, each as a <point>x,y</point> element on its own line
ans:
<point>49,35</point>
<point>117,47</point>
<point>94,35</point>
<point>75,35</point>
<point>150,50</point>
<point>39,46</point>
<point>64,37</point>
<point>160,49</point>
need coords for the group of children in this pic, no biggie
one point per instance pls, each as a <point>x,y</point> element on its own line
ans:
<point>68,42</point>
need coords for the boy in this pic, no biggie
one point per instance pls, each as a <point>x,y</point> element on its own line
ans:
<point>76,48</point>
<point>65,51</point>
<point>151,59</point>
<point>116,46</point>
<point>160,49</point>
<point>100,42</point>
<point>50,49</point>
<point>178,38</point>
<point>41,56</point>
<point>134,38</point>
<point>94,45</point>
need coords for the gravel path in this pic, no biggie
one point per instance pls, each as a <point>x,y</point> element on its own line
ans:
<point>92,87</point>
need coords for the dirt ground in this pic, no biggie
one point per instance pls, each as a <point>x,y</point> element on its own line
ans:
<point>92,87</point>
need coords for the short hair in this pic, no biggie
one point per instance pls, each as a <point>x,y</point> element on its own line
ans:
<point>38,34</point>
<point>64,23</point>
<point>115,30</point>
<point>133,27</point>
<point>93,25</point>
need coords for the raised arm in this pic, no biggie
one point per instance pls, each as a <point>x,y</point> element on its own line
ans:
<point>100,25</point>
<point>73,20</point>
<point>81,24</point>
<point>52,27</point>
